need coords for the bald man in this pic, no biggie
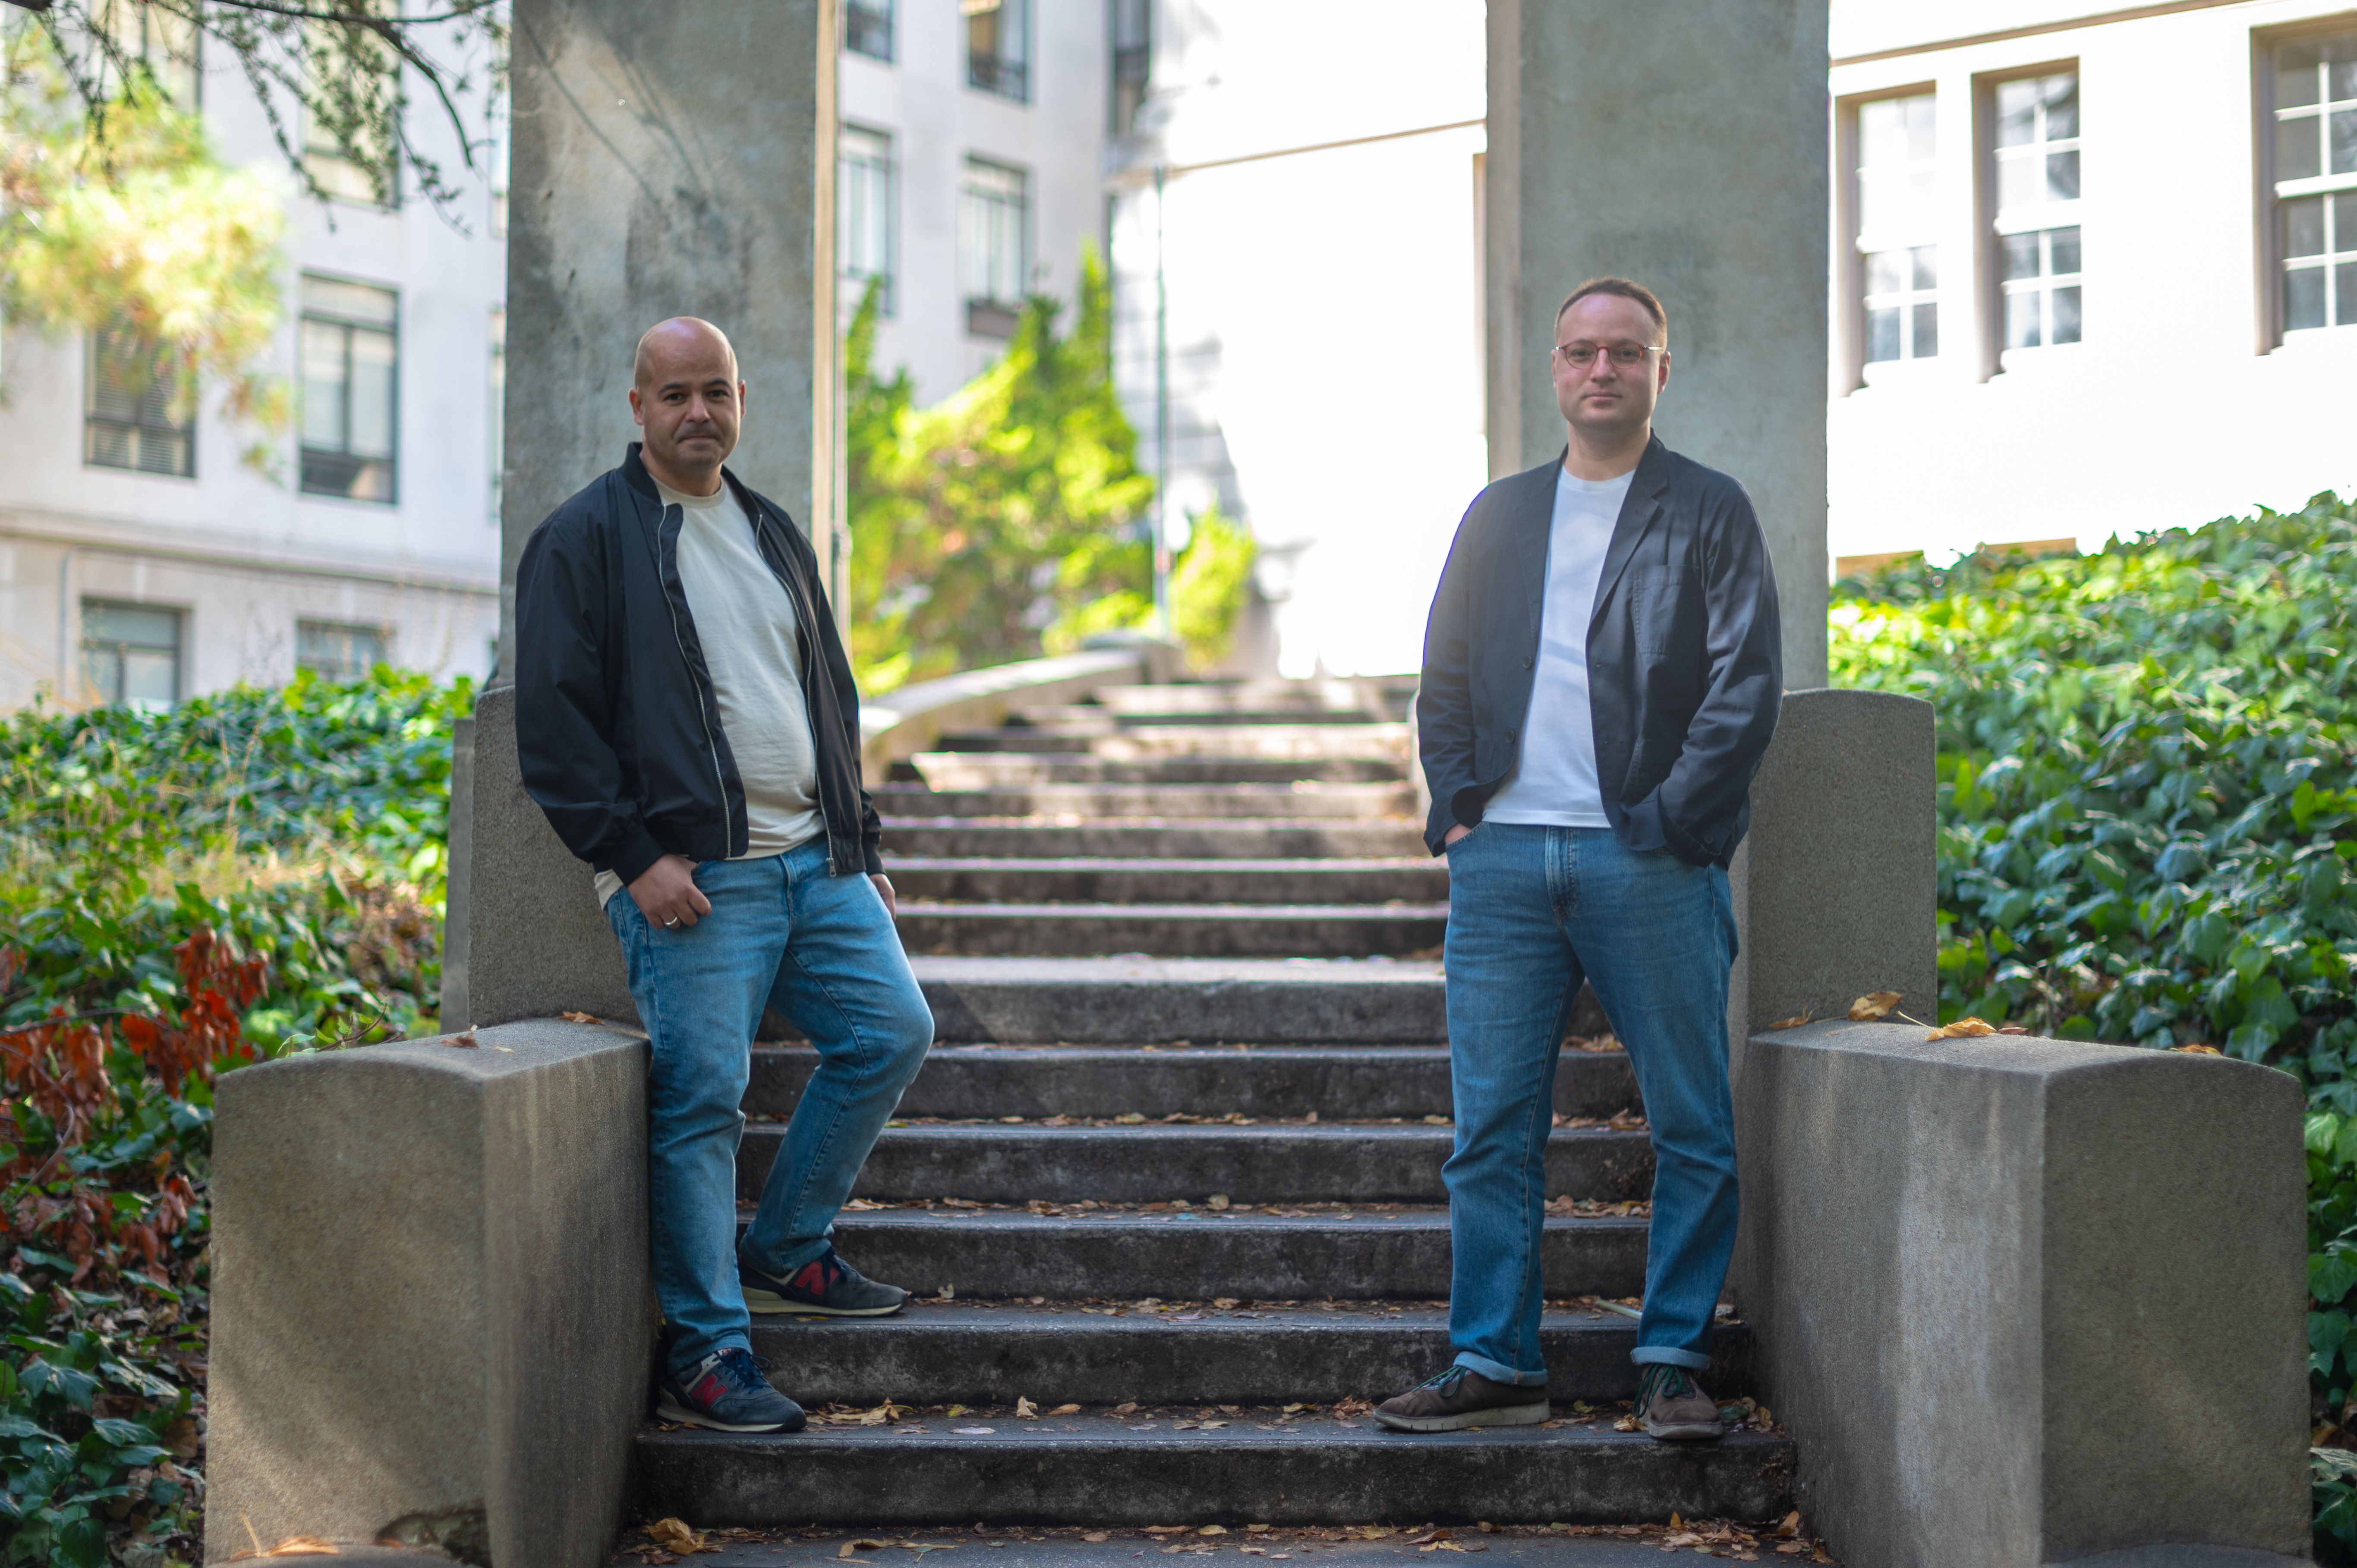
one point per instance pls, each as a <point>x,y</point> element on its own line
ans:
<point>686,718</point>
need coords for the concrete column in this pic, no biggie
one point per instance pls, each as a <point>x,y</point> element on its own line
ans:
<point>1682,144</point>
<point>671,160</point>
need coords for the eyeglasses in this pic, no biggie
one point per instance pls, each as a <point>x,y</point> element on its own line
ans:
<point>1580,355</point>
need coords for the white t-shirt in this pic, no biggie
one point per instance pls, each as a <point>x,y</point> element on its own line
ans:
<point>745,621</point>
<point>1554,782</point>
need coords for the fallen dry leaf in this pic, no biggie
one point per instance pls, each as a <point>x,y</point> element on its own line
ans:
<point>1128,1407</point>
<point>1214,1529</point>
<point>862,1544</point>
<point>1873,1006</point>
<point>1795,1021</point>
<point>1790,1527</point>
<point>1097,1537</point>
<point>578,1017</point>
<point>673,1535</point>
<point>1962,1029</point>
<point>2200,1050</point>
<point>466,1042</point>
<point>1166,1530</point>
<point>1025,1410</point>
<point>1626,1424</point>
<point>2012,1029</point>
<point>1066,1410</point>
<point>303,1546</point>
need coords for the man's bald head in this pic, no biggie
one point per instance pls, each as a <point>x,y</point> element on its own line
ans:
<point>687,396</point>
<point>683,343</point>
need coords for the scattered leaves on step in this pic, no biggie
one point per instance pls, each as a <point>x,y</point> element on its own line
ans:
<point>1097,1537</point>
<point>578,1017</point>
<point>1350,1407</point>
<point>673,1535</point>
<point>1025,1410</point>
<point>1626,1424</point>
<point>466,1042</point>
<point>2200,1050</point>
<point>1214,1529</point>
<point>1166,1530</point>
<point>1129,1118</point>
<point>949,1293</point>
<point>1627,1120</point>
<point>1066,1410</point>
<point>303,1546</point>
<point>1873,1007</point>
<point>1220,1200</point>
<point>863,1544</point>
<point>1962,1029</point>
<point>1227,1304</point>
<point>1806,1015</point>
<point>1790,1527</point>
<point>1128,1407</point>
<point>954,1412</point>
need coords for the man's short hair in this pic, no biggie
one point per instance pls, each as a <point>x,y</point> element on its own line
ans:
<point>1626,290</point>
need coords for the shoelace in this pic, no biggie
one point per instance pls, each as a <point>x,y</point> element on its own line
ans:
<point>744,1369</point>
<point>1661,1378</point>
<point>1444,1381</point>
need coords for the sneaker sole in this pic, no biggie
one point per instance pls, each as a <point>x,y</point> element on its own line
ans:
<point>757,1300</point>
<point>669,1409</point>
<point>1500,1416</point>
<point>1685,1432</point>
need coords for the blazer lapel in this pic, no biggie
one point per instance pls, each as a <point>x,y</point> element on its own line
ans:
<point>1638,508</point>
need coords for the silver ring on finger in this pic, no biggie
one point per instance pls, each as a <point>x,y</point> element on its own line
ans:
<point>670,923</point>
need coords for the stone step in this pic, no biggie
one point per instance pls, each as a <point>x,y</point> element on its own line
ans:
<point>995,1353</point>
<point>1090,1469</point>
<point>1334,1081</point>
<point>1074,804</point>
<point>1096,880</point>
<point>1149,1000</point>
<point>1183,930</point>
<point>1287,742</point>
<point>1253,1257</point>
<point>1280,696</point>
<point>1151,838</point>
<point>1287,1163</point>
<point>1095,718</point>
<point>994,770</point>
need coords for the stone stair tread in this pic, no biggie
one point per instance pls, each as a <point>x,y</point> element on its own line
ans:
<point>1393,909</point>
<point>1242,865</point>
<point>1312,1469</point>
<point>1285,800</point>
<point>1153,839</point>
<point>1201,931</point>
<point>955,770</point>
<point>1190,882</point>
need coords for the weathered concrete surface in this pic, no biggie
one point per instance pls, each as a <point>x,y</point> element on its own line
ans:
<point>913,718</point>
<point>1254,1257</point>
<point>1272,838</point>
<point>628,206</point>
<point>527,939</point>
<point>1147,1001</point>
<point>1333,1081</point>
<point>1689,154</point>
<point>1055,1353</point>
<point>2027,1301</point>
<point>1002,770</point>
<point>1836,887</point>
<point>1167,879</point>
<point>1310,1471</point>
<point>431,1307</point>
<point>1290,1164</point>
<point>1189,931</point>
<point>1195,802</point>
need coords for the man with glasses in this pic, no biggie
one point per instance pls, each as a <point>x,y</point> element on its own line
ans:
<point>1601,673</point>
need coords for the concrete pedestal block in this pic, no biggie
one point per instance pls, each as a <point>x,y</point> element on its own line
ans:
<point>2028,1301</point>
<point>432,1316</point>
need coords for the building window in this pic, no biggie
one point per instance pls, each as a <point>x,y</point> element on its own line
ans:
<point>998,47</point>
<point>337,653</point>
<point>351,147</point>
<point>1899,254</point>
<point>2038,209</point>
<point>867,28</point>
<point>131,654</point>
<point>993,245</point>
<point>863,205</point>
<point>134,37</point>
<point>2316,181</point>
<point>141,408</point>
<point>496,432</point>
<point>1133,60</point>
<point>350,386</point>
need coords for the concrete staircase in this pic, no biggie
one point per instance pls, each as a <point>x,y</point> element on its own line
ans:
<point>1172,1174</point>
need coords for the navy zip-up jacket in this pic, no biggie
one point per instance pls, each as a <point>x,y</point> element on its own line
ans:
<point>618,728</point>
<point>1684,656</point>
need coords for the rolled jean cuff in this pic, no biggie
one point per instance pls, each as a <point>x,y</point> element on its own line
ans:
<point>1498,1372</point>
<point>792,1258</point>
<point>1648,1355</point>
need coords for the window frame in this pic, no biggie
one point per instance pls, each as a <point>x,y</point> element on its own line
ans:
<point>1115,54</point>
<point>1854,331</point>
<point>986,313</point>
<point>343,675</point>
<point>330,160</point>
<point>887,10</point>
<point>998,70</point>
<point>2274,331</point>
<point>179,645</point>
<point>140,428</point>
<point>305,315</point>
<point>854,282</point>
<point>1993,222</point>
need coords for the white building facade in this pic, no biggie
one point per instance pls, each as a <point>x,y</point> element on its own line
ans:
<point>140,559</point>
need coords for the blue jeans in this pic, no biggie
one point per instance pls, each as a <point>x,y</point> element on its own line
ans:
<point>822,950</point>
<point>1531,911</point>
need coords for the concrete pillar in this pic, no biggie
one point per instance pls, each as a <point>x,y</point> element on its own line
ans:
<point>671,160</point>
<point>1682,144</point>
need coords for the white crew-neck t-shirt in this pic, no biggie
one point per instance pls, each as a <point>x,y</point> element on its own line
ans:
<point>745,621</point>
<point>1554,783</point>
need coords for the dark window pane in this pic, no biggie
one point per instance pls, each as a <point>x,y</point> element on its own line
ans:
<point>867,27</point>
<point>2020,252</point>
<point>2303,227</point>
<point>2066,316</point>
<point>2344,141</point>
<point>2344,294</point>
<point>2295,75</point>
<point>2303,297</point>
<point>2341,74</point>
<point>2021,321</point>
<point>2063,176</point>
<point>2064,244</point>
<point>1927,265</point>
<point>2344,221</point>
<point>2298,147</point>
<point>2017,113</point>
<point>2061,107</point>
<point>1927,331</point>
<point>1881,335</point>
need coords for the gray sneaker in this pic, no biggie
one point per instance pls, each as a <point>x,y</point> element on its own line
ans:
<point>1456,1397</point>
<point>1671,1407</point>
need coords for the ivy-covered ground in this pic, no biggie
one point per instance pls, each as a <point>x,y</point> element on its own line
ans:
<point>181,891</point>
<point>2147,820</point>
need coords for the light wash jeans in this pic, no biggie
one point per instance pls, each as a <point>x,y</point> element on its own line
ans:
<point>1531,911</point>
<point>822,950</point>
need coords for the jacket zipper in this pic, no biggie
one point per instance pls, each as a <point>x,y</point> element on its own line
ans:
<point>809,658</point>
<point>711,747</point>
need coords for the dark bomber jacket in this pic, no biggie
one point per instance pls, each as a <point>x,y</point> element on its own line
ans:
<point>616,725</point>
<point>1684,657</point>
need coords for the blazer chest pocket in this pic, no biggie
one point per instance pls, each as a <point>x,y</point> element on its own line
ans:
<point>1667,615</point>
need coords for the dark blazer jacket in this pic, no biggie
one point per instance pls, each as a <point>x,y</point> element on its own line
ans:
<point>1684,656</point>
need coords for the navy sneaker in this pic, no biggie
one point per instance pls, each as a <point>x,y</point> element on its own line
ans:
<point>827,1286</point>
<point>728,1393</point>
